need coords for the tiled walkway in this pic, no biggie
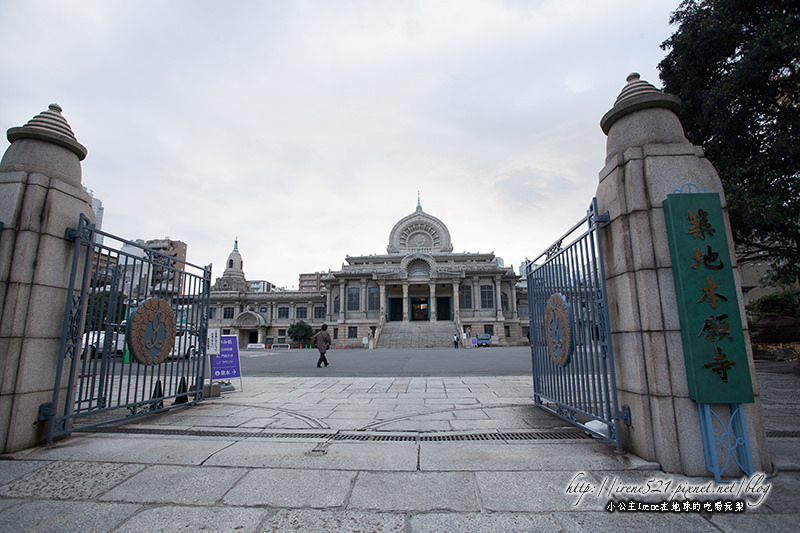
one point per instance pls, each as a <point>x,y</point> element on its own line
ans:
<point>369,454</point>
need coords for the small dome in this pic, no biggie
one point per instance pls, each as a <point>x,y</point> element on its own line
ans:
<point>235,265</point>
<point>233,277</point>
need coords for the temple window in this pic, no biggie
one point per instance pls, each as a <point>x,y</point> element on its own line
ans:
<point>465,297</point>
<point>353,294</point>
<point>487,296</point>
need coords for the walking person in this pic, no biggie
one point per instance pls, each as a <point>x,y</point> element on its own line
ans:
<point>455,340</point>
<point>322,341</point>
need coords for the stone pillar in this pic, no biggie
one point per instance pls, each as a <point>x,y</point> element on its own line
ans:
<point>648,157</point>
<point>514,310</point>
<point>432,302</point>
<point>40,198</point>
<point>362,297</point>
<point>405,301</point>
<point>342,302</point>
<point>329,300</point>
<point>498,298</point>
<point>382,286</point>
<point>456,303</point>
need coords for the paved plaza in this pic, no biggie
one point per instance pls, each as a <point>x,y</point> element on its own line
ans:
<point>405,454</point>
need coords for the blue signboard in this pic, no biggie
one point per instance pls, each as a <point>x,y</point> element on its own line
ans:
<point>225,365</point>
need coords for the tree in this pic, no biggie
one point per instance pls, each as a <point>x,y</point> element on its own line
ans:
<point>735,64</point>
<point>301,332</point>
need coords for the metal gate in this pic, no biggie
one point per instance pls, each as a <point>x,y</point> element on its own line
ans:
<point>573,365</point>
<point>133,339</point>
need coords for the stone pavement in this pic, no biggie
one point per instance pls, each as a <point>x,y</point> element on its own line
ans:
<point>469,454</point>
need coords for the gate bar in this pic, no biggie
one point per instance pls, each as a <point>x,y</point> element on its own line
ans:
<point>581,384</point>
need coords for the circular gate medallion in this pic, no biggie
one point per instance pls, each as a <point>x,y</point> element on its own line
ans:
<point>557,327</point>
<point>151,332</point>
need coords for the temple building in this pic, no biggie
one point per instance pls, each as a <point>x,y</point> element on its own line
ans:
<point>419,294</point>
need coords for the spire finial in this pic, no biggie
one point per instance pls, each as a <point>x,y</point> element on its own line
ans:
<point>236,244</point>
<point>419,203</point>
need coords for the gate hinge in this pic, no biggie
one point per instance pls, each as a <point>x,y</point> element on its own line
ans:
<point>71,234</point>
<point>46,411</point>
<point>624,414</point>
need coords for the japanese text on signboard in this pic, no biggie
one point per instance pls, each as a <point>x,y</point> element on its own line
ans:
<point>711,326</point>
<point>225,365</point>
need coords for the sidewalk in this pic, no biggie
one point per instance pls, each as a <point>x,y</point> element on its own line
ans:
<point>371,454</point>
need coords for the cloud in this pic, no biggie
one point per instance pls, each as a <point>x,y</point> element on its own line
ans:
<point>306,128</point>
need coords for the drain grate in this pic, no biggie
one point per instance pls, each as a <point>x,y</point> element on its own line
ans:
<point>210,433</point>
<point>497,436</point>
<point>777,434</point>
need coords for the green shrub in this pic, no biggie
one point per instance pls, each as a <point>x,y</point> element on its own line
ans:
<point>785,303</point>
<point>301,332</point>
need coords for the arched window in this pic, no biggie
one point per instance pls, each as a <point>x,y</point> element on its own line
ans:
<point>230,263</point>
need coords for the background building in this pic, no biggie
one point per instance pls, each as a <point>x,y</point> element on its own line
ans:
<point>261,286</point>
<point>166,277</point>
<point>311,281</point>
<point>97,207</point>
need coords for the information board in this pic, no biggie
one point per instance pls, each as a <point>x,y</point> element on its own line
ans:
<point>225,365</point>
<point>714,346</point>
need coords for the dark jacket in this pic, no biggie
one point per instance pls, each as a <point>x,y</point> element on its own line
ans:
<point>322,340</point>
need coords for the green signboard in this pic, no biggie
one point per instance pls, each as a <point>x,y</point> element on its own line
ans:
<point>711,326</point>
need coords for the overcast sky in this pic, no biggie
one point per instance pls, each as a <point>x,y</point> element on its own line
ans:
<point>306,128</point>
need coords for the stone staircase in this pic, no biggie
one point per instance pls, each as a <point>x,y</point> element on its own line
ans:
<point>400,335</point>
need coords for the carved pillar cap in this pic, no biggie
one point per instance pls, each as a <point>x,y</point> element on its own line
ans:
<point>52,127</point>
<point>637,95</point>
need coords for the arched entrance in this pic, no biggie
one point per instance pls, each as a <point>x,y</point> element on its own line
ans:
<point>250,328</point>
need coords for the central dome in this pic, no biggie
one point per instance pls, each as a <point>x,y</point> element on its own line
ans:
<point>419,232</point>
